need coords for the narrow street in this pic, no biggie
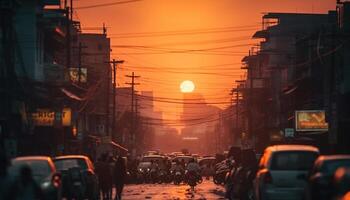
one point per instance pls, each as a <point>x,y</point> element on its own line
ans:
<point>206,190</point>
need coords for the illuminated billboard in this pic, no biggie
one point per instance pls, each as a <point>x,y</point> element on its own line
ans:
<point>74,75</point>
<point>310,120</point>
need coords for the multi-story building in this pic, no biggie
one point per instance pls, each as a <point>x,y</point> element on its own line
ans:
<point>271,68</point>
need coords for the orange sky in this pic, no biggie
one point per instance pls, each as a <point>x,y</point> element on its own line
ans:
<point>214,69</point>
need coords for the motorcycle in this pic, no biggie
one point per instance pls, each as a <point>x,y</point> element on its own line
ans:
<point>177,177</point>
<point>162,177</point>
<point>153,176</point>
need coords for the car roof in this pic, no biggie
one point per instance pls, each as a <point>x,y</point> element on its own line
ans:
<point>333,157</point>
<point>153,156</point>
<point>70,157</point>
<point>32,158</point>
<point>276,148</point>
<point>208,158</point>
<point>184,156</point>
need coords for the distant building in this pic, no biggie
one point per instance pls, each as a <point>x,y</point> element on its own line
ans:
<point>200,121</point>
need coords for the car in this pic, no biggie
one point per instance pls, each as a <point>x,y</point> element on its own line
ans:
<point>207,165</point>
<point>320,177</point>
<point>154,158</point>
<point>183,158</point>
<point>89,181</point>
<point>43,171</point>
<point>281,171</point>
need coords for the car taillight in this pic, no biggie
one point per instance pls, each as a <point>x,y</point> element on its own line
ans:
<point>56,181</point>
<point>267,177</point>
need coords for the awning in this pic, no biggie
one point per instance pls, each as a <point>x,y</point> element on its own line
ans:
<point>71,95</point>
<point>290,90</point>
<point>118,146</point>
<point>261,34</point>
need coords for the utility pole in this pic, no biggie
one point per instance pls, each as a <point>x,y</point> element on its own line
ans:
<point>71,10</point>
<point>68,38</point>
<point>80,48</point>
<point>114,63</point>
<point>132,107</point>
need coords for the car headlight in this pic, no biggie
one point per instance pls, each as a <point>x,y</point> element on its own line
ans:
<point>46,184</point>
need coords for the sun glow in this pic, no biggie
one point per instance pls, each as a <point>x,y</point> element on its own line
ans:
<point>187,86</point>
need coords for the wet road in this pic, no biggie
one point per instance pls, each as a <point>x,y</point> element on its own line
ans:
<point>206,190</point>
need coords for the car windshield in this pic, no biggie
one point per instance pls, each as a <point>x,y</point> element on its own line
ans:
<point>65,164</point>
<point>154,159</point>
<point>185,159</point>
<point>293,160</point>
<point>40,168</point>
<point>332,165</point>
<point>144,164</point>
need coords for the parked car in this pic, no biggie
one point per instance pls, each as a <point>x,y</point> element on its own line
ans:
<point>154,158</point>
<point>74,166</point>
<point>320,178</point>
<point>207,165</point>
<point>43,171</point>
<point>282,171</point>
<point>181,158</point>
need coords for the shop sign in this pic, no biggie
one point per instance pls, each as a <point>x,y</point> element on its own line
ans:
<point>47,117</point>
<point>43,117</point>
<point>67,117</point>
<point>310,120</point>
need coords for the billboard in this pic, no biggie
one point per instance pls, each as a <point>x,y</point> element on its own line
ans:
<point>74,75</point>
<point>47,117</point>
<point>310,120</point>
<point>43,117</point>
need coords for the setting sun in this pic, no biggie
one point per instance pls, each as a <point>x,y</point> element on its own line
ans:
<point>187,86</point>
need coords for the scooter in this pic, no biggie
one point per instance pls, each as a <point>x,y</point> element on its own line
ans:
<point>177,177</point>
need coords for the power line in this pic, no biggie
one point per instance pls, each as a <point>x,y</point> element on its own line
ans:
<point>106,4</point>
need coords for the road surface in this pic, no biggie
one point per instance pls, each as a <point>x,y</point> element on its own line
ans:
<point>206,190</point>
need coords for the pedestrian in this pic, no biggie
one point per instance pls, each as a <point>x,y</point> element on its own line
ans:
<point>104,174</point>
<point>119,177</point>
<point>25,188</point>
<point>4,177</point>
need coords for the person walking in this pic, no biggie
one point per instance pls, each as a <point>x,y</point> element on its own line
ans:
<point>103,171</point>
<point>25,188</point>
<point>119,176</point>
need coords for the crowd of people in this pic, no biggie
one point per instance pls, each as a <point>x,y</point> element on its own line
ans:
<point>111,171</point>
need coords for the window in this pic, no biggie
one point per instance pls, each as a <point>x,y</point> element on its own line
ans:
<point>293,160</point>
<point>64,164</point>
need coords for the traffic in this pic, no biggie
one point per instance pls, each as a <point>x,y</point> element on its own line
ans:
<point>284,171</point>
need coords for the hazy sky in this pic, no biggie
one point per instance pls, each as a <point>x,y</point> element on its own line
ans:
<point>174,28</point>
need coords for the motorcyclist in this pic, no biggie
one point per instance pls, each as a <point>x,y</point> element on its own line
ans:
<point>234,162</point>
<point>178,167</point>
<point>193,167</point>
<point>153,170</point>
<point>154,166</point>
